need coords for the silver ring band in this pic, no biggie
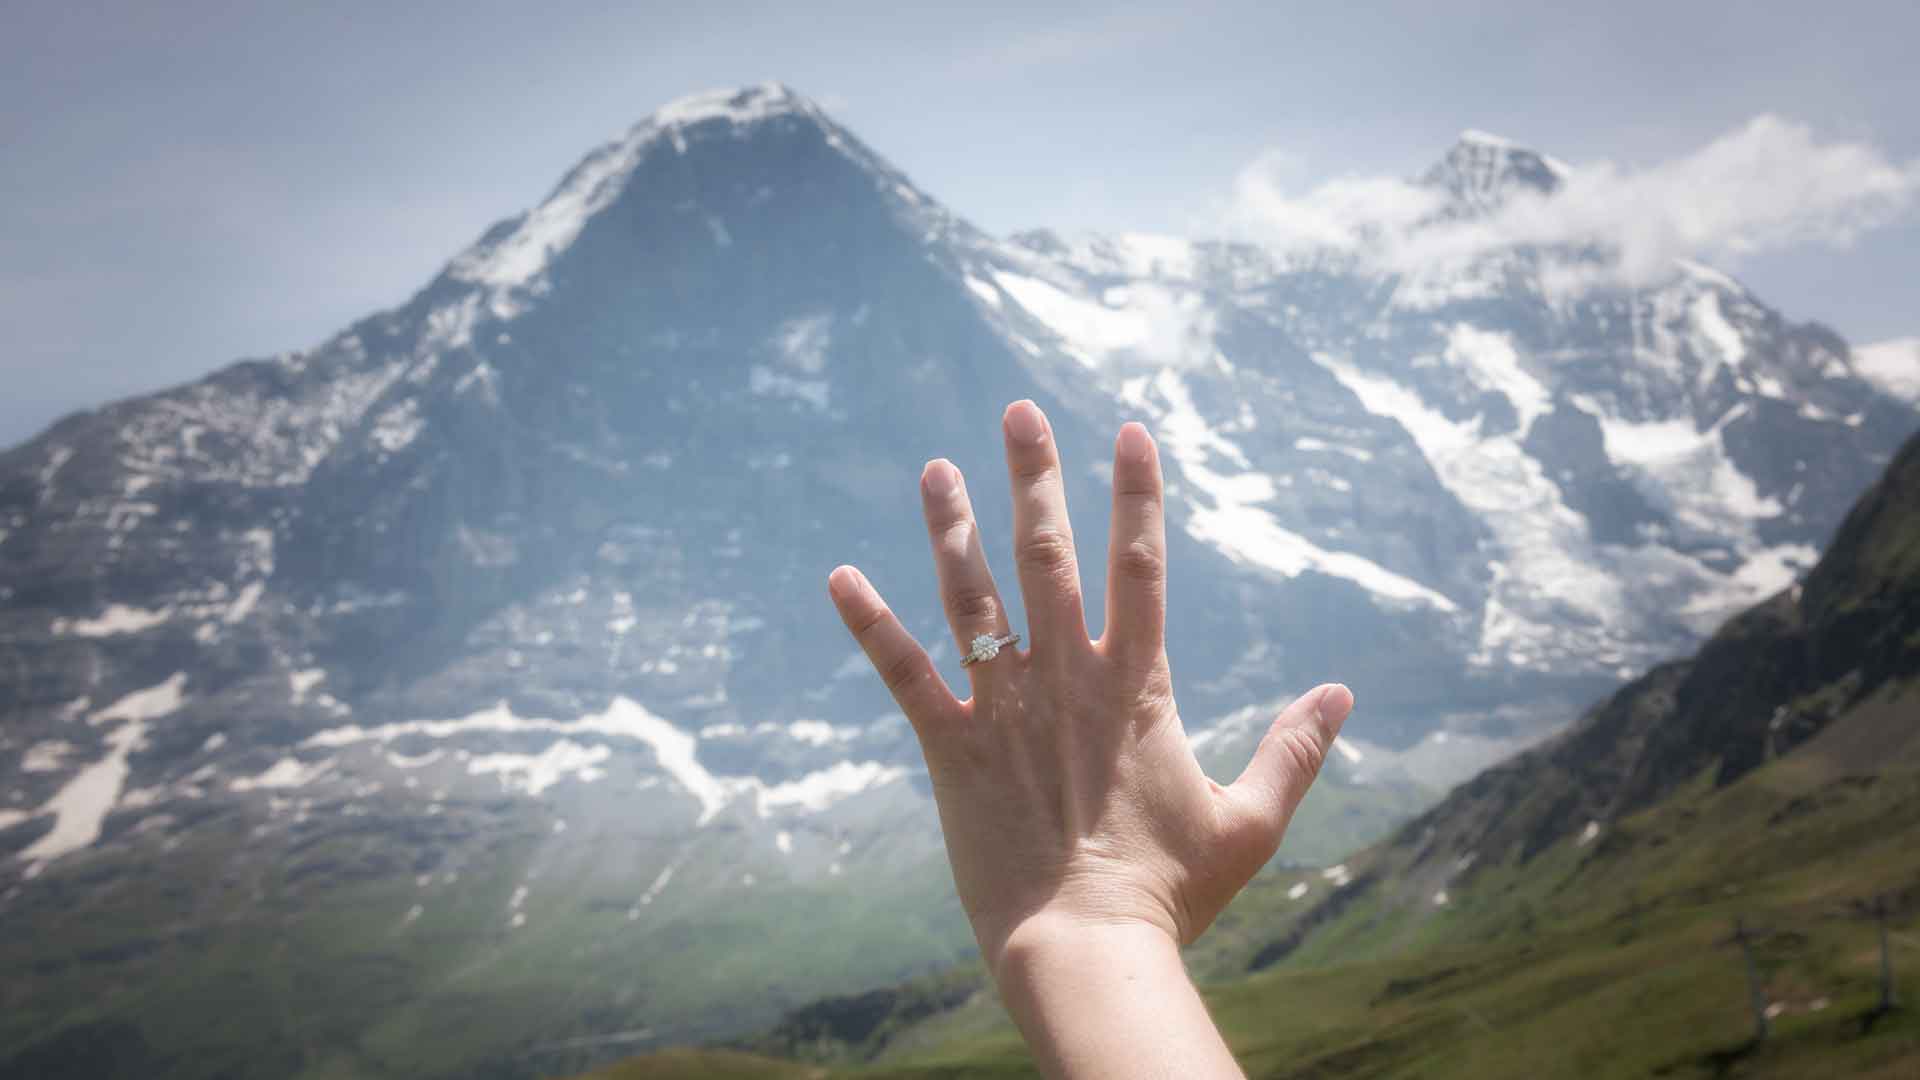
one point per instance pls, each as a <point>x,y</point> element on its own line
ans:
<point>986,647</point>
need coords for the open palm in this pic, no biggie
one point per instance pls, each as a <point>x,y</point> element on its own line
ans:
<point>1066,785</point>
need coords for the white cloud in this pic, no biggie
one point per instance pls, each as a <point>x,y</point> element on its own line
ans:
<point>1767,185</point>
<point>1894,366</point>
<point>1345,214</point>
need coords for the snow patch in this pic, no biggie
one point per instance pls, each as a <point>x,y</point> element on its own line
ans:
<point>1238,525</point>
<point>1489,359</point>
<point>1338,874</point>
<point>1689,467</point>
<point>396,428</point>
<point>1299,890</point>
<point>673,749</point>
<point>1088,328</point>
<point>141,706</point>
<point>535,773</point>
<point>654,890</point>
<point>417,761</point>
<point>301,683</point>
<point>1768,570</point>
<point>1313,445</point>
<point>82,805</point>
<point>244,603</point>
<point>288,772</point>
<point>1722,340</point>
<point>737,106</point>
<point>116,619</point>
<point>1547,569</point>
<point>45,756</point>
<point>56,458</point>
<point>816,791</point>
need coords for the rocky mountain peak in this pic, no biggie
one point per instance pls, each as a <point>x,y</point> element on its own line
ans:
<point>1482,171</point>
<point>709,156</point>
<point>737,106</point>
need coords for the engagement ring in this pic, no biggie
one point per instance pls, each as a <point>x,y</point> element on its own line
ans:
<point>986,647</point>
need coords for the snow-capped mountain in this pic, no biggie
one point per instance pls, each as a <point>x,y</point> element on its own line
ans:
<point>492,630</point>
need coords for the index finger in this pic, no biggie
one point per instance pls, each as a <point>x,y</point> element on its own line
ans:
<point>903,665</point>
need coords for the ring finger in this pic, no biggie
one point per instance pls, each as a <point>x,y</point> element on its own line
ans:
<point>967,592</point>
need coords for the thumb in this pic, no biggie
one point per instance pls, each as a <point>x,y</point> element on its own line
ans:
<point>1288,759</point>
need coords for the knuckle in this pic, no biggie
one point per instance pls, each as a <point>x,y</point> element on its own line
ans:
<point>1033,469</point>
<point>1045,549</point>
<point>901,671</point>
<point>972,604</point>
<point>871,621</point>
<point>1139,562</point>
<point>954,536</point>
<point>1302,749</point>
<point>1154,685</point>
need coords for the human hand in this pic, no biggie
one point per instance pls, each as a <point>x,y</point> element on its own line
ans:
<point>1067,790</point>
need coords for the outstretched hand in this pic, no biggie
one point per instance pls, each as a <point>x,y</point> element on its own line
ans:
<point>1068,792</point>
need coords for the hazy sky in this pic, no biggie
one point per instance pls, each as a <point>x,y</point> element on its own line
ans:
<point>187,183</point>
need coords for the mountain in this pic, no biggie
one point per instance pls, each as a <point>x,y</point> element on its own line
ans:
<point>1831,664</point>
<point>331,680</point>
<point>1569,912</point>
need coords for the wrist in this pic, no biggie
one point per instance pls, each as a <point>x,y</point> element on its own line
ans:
<point>1108,999</point>
<point>1052,940</point>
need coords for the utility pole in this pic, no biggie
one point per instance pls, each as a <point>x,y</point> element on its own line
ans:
<point>1756,993</point>
<point>1886,955</point>
<point>1880,911</point>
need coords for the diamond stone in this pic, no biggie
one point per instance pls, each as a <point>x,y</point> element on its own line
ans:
<point>985,647</point>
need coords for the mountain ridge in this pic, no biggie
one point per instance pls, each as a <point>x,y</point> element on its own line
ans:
<point>403,632</point>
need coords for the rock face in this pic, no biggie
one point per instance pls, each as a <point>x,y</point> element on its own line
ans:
<point>491,633</point>
<point>1840,650</point>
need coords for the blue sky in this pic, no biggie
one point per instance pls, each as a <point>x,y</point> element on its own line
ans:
<point>189,183</point>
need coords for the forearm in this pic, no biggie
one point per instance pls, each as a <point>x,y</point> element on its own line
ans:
<point>1109,1001</point>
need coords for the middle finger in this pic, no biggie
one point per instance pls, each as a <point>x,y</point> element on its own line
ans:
<point>1042,536</point>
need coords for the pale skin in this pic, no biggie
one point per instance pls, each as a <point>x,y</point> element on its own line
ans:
<point>1087,845</point>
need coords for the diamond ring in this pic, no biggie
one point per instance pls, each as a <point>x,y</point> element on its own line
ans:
<point>986,647</point>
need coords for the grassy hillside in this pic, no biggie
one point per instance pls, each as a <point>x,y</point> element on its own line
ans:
<point>1572,911</point>
<point>1607,957</point>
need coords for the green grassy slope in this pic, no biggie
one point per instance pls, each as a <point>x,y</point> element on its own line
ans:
<point>1604,958</point>
<point>1569,912</point>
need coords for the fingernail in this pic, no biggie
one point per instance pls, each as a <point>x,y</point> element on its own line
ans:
<point>940,478</point>
<point>1134,446</point>
<point>843,581</point>
<point>1025,424</point>
<point>1335,703</point>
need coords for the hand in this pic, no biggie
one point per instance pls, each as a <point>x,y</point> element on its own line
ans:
<point>1068,793</point>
